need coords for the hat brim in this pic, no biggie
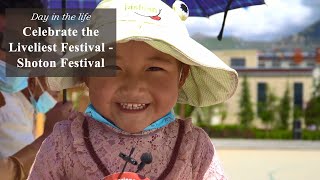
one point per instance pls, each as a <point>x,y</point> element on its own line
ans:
<point>210,80</point>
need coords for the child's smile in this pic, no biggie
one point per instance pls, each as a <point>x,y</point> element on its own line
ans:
<point>144,90</point>
<point>133,107</point>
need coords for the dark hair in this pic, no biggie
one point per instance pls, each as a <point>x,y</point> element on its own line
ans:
<point>19,4</point>
<point>27,4</point>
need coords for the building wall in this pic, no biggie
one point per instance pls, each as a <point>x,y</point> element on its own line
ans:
<point>276,84</point>
<point>251,56</point>
<point>276,79</point>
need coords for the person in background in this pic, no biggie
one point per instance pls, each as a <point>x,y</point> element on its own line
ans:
<point>18,165</point>
<point>14,91</point>
<point>18,114</point>
<point>21,98</point>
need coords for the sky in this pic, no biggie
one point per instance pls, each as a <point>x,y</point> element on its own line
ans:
<point>276,19</point>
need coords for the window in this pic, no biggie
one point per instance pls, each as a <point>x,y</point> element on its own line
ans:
<point>262,95</point>
<point>261,65</point>
<point>311,64</point>
<point>298,95</point>
<point>294,65</point>
<point>276,64</point>
<point>238,62</point>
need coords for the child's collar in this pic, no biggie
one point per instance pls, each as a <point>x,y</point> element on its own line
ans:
<point>165,120</point>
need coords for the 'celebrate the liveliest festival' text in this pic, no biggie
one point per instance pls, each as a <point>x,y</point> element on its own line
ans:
<point>59,48</point>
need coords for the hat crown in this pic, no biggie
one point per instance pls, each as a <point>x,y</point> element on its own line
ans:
<point>210,81</point>
<point>145,12</point>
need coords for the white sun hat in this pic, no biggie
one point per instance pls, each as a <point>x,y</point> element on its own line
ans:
<point>210,80</point>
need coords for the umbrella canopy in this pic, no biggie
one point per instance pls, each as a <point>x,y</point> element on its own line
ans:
<point>199,8</point>
<point>71,4</point>
<point>206,8</point>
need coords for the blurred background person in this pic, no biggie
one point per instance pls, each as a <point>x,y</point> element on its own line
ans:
<point>21,99</point>
<point>18,114</point>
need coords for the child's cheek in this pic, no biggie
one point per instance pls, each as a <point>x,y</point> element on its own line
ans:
<point>166,94</point>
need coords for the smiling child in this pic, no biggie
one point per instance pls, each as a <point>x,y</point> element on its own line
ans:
<point>157,65</point>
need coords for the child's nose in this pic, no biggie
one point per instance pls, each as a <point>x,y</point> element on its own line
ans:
<point>134,85</point>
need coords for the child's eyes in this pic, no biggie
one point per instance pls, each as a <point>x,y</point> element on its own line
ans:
<point>155,69</point>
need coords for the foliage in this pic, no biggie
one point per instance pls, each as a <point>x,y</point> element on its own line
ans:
<point>274,134</point>
<point>183,107</point>
<point>316,91</point>
<point>238,131</point>
<point>312,112</point>
<point>204,114</point>
<point>223,112</point>
<point>316,84</point>
<point>268,109</point>
<point>297,112</point>
<point>230,131</point>
<point>284,110</point>
<point>311,135</point>
<point>246,114</point>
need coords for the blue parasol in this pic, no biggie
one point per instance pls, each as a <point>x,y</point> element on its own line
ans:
<point>206,8</point>
<point>197,8</point>
<point>71,4</point>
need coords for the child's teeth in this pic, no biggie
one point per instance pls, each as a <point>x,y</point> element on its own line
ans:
<point>132,106</point>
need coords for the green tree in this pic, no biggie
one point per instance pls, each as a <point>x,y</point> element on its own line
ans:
<point>223,112</point>
<point>268,109</point>
<point>312,112</point>
<point>205,114</point>
<point>246,114</point>
<point>297,112</point>
<point>183,110</point>
<point>316,91</point>
<point>284,110</point>
<point>316,82</point>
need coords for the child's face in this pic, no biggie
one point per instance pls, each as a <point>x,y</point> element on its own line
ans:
<point>144,90</point>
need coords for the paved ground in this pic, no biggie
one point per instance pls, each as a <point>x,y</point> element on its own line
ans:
<point>266,144</point>
<point>269,160</point>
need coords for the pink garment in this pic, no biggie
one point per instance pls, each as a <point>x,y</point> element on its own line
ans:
<point>63,155</point>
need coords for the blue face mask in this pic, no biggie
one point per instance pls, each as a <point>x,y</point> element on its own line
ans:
<point>11,84</point>
<point>45,101</point>
<point>165,120</point>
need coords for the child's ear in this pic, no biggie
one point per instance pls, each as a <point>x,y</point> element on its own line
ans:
<point>184,74</point>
